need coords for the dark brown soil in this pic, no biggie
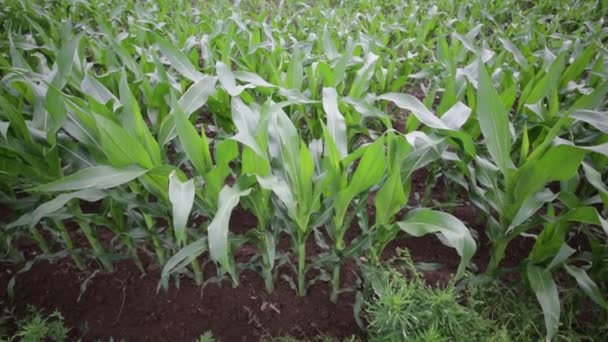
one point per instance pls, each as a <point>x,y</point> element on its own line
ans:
<point>128,305</point>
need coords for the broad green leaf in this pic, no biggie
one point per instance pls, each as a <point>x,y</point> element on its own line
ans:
<point>228,80</point>
<point>196,96</point>
<point>363,76</point>
<point>584,214</point>
<point>494,122</point>
<point>408,102</point>
<point>452,232</point>
<point>4,128</point>
<point>119,146</point>
<point>253,79</point>
<point>218,229</point>
<point>563,252</point>
<point>530,206</point>
<point>560,163</point>
<point>587,284</point>
<point>549,82</point>
<point>183,258</point>
<point>93,88</point>
<point>16,119</point>
<point>456,116</point>
<point>389,199</point>
<point>578,66</point>
<point>226,151</point>
<point>134,123</point>
<point>56,108</point>
<point>195,145</point>
<point>517,55</point>
<point>52,206</point>
<point>96,177</point>
<point>65,61</point>
<point>596,119</point>
<point>370,169</point>
<point>328,45</point>
<point>600,149</point>
<point>546,292</point>
<point>246,121</point>
<point>254,164</point>
<point>181,195</point>
<point>295,71</point>
<point>595,178</point>
<point>193,99</point>
<point>336,124</point>
<point>178,60</point>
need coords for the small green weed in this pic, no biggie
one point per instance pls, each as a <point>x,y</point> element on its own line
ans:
<point>34,326</point>
<point>406,309</point>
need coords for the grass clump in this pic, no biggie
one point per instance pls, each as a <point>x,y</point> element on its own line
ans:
<point>407,309</point>
<point>35,326</point>
<point>517,317</point>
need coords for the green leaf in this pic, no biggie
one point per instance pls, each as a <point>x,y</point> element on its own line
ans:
<point>336,124</point>
<point>587,284</point>
<point>389,199</point>
<point>363,76</point>
<point>4,128</point>
<point>56,108</point>
<point>134,123</point>
<point>456,116</point>
<point>530,206</point>
<point>193,99</point>
<point>226,151</point>
<point>295,71</point>
<point>517,55</point>
<point>594,178</point>
<point>246,121</point>
<point>452,232</point>
<point>493,121</point>
<point>96,177</point>
<point>119,146</point>
<point>197,94</point>
<point>370,169</point>
<point>559,163</point>
<point>328,45</point>
<point>596,119</point>
<point>546,292</point>
<point>178,60</point>
<point>65,61</point>
<point>228,80</point>
<point>183,258</point>
<point>93,88</point>
<point>52,206</point>
<point>408,102</point>
<point>549,82</point>
<point>218,229</point>
<point>195,145</point>
<point>181,195</point>
<point>578,66</point>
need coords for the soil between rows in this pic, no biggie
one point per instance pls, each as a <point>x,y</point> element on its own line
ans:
<point>128,305</point>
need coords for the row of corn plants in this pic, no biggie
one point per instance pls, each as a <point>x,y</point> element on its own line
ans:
<point>154,121</point>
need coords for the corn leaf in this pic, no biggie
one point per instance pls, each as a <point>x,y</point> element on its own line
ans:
<point>452,232</point>
<point>181,195</point>
<point>48,208</point>
<point>494,122</point>
<point>546,292</point>
<point>336,124</point>
<point>96,177</point>
<point>218,229</point>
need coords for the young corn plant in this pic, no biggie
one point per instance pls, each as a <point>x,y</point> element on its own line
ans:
<point>511,194</point>
<point>296,188</point>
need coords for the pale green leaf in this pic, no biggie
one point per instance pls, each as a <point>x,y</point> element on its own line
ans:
<point>96,177</point>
